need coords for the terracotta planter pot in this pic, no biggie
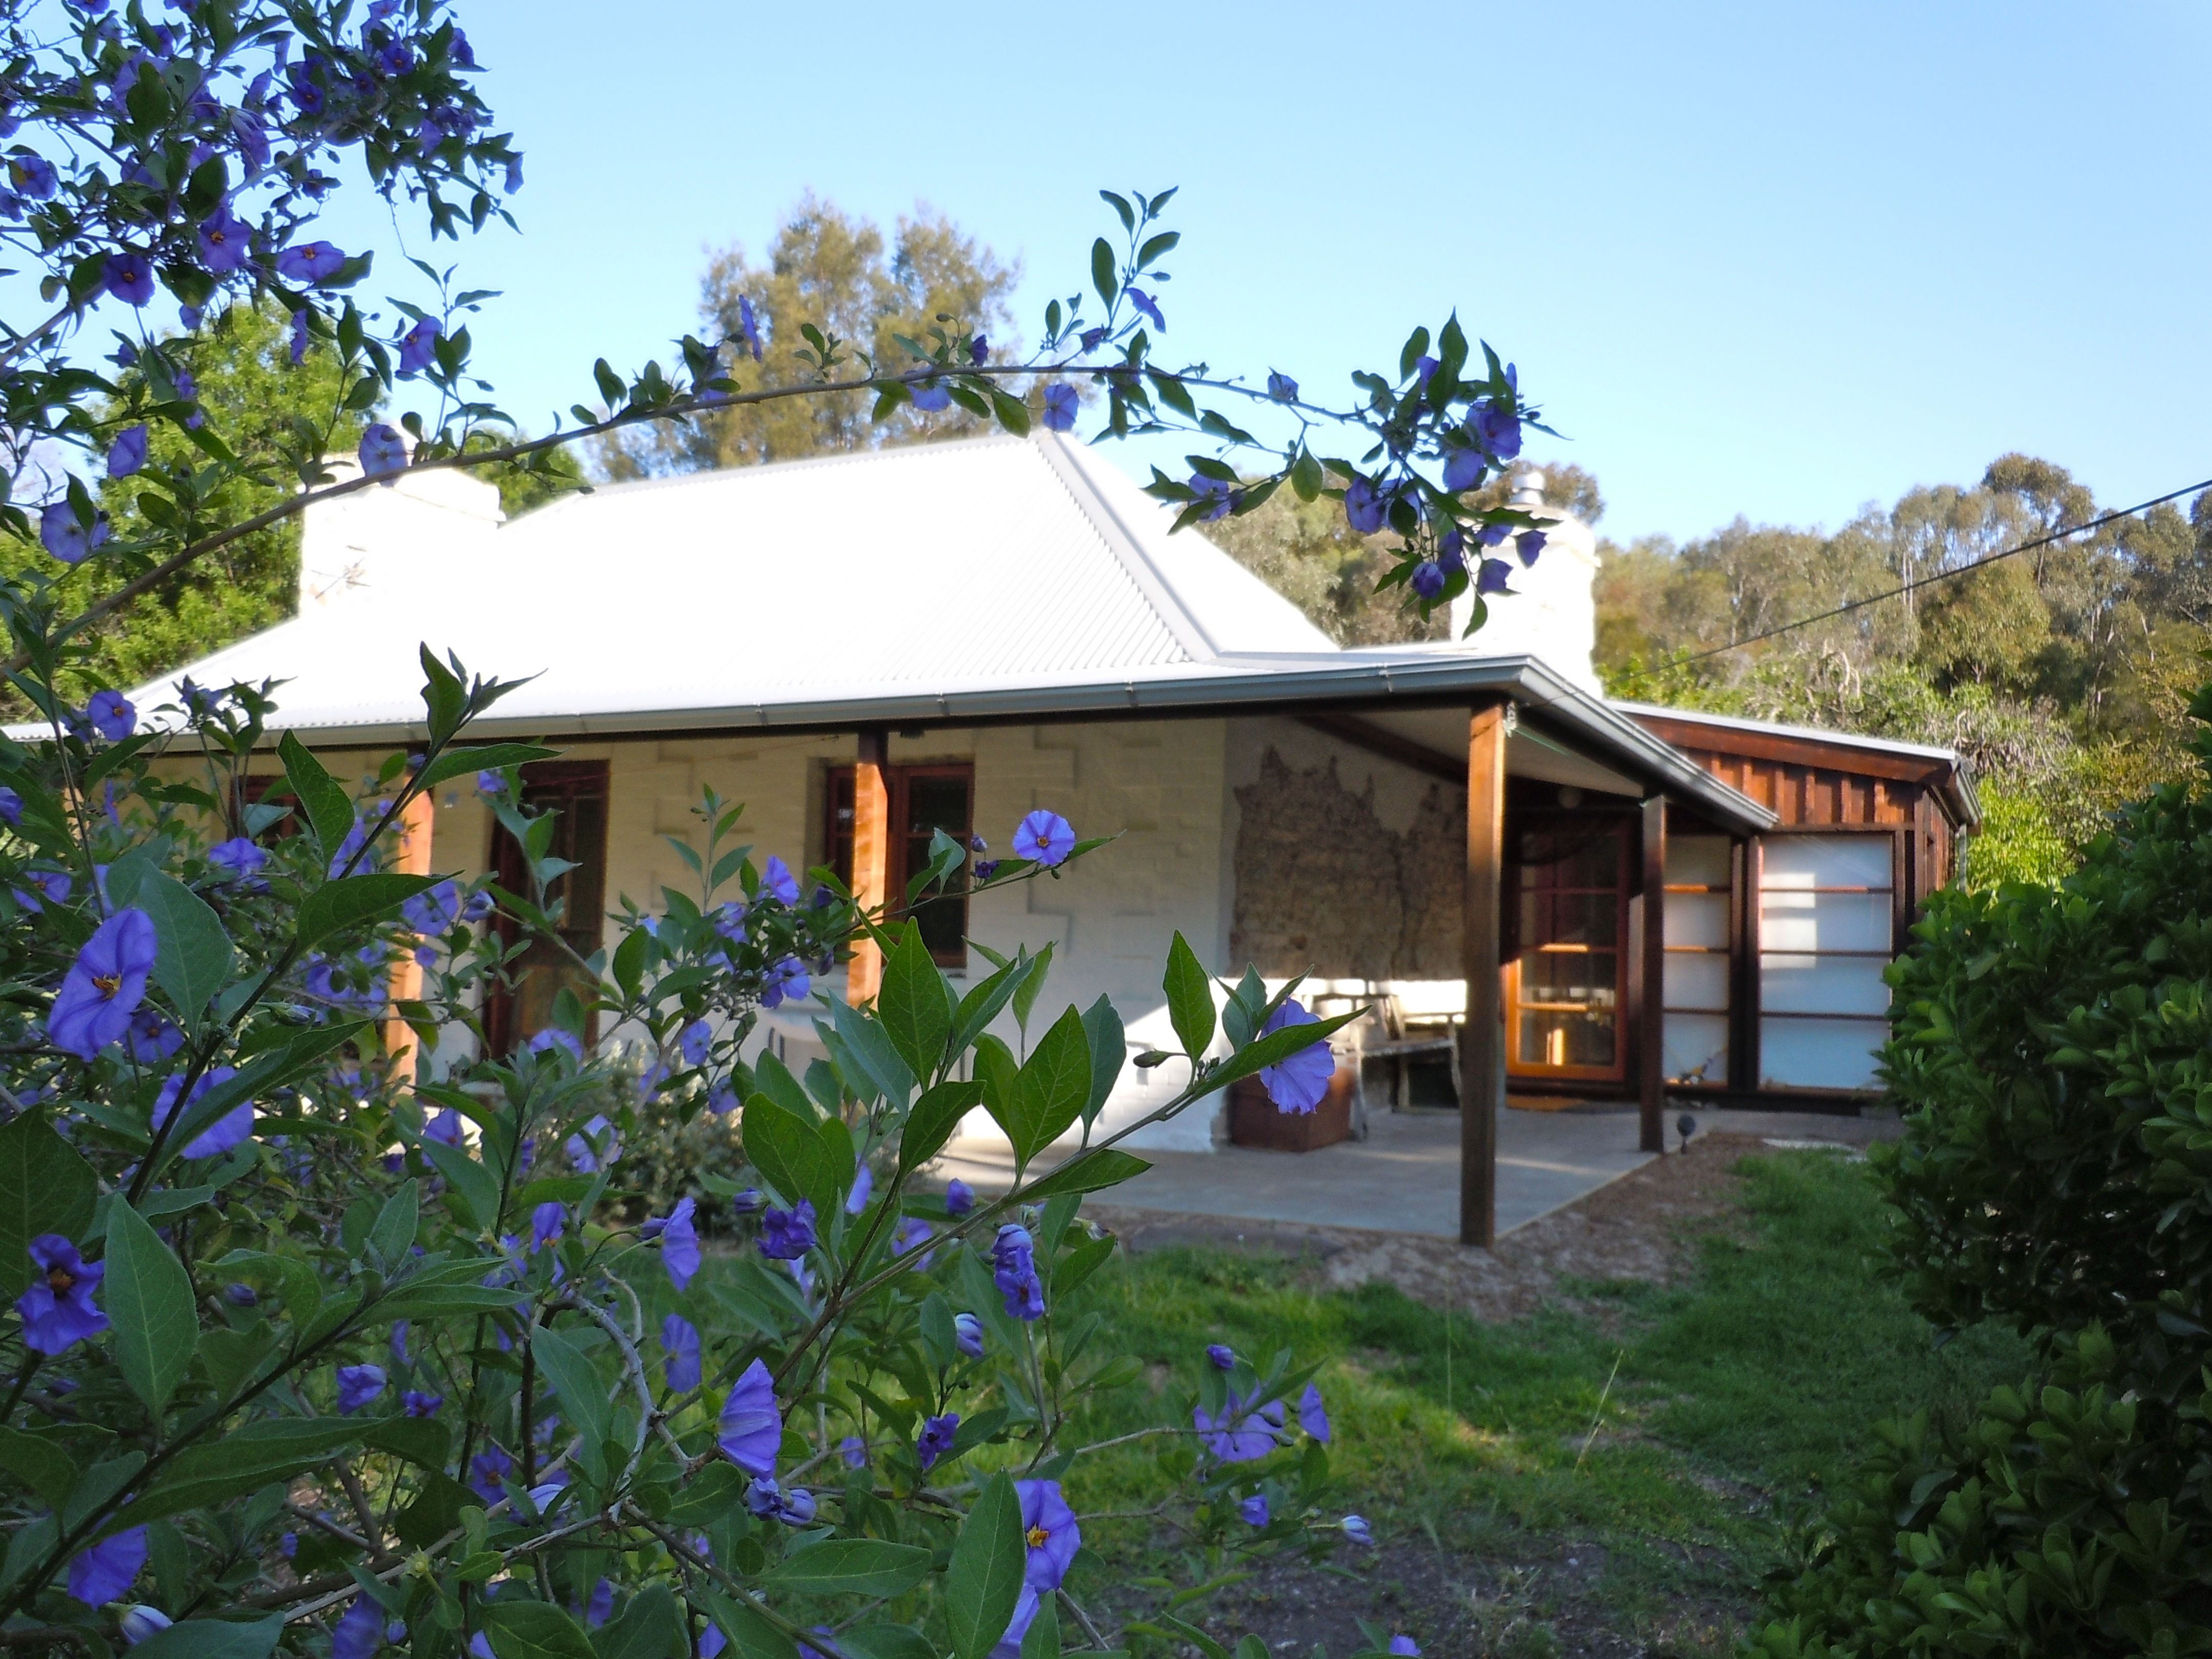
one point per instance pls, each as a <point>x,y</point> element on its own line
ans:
<point>1254,1120</point>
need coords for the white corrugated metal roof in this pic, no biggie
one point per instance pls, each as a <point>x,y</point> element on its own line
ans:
<point>991,579</point>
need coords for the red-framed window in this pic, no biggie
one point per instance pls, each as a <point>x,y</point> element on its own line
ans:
<point>576,792</point>
<point>924,800</point>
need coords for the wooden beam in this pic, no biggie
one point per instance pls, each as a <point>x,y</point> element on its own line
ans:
<point>1482,1034</point>
<point>872,857</point>
<point>1379,740</point>
<point>1651,1013</point>
<point>410,858</point>
<point>1700,739</point>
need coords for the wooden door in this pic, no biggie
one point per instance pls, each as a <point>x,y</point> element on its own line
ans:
<point>1566,985</point>
<point>576,792</point>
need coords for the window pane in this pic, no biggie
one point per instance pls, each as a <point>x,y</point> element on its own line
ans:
<point>1698,861</point>
<point>1696,981</point>
<point>1819,1053</point>
<point>1824,861</point>
<point>1551,1037</point>
<point>1696,1048</point>
<point>1821,985</point>
<point>1824,921</point>
<point>937,803</point>
<point>1697,919</point>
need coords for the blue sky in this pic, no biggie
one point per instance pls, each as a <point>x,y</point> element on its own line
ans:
<point>1775,260</point>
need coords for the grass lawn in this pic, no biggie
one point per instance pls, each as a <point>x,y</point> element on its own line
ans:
<point>1667,1433</point>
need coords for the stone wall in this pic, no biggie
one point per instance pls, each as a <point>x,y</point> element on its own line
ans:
<point>1326,884</point>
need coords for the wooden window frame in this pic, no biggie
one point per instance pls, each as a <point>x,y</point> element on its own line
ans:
<point>897,780</point>
<point>1621,830</point>
<point>567,779</point>
<point>1756,952</point>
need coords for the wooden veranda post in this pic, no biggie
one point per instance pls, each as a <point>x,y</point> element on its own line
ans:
<point>1650,1014</point>
<point>872,857</point>
<point>1481,1037</point>
<point>410,858</point>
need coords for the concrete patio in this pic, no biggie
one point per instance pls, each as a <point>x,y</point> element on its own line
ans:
<point>1404,1177</point>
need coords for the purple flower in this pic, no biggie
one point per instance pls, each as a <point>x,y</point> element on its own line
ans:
<point>1355,1528</point>
<point>357,1386</point>
<point>959,1198</point>
<point>129,277</point>
<point>1061,402</point>
<point>11,807</point>
<point>749,326</point>
<point>601,1605</point>
<point>1404,1647</point>
<point>679,1341</point>
<point>1234,1435</point>
<point>1451,550</point>
<point>1498,430</point>
<point>360,1633</point>
<point>937,1436</point>
<point>1428,579</point>
<point>311,262</point>
<point>854,1451</point>
<point>478,905</point>
<point>679,1245</point>
<point>786,978</point>
<point>57,1311</point>
<point>747,1201</point>
<point>1049,1531</point>
<point>1492,575</point>
<point>112,714</point>
<point>1215,494</point>
<point>220,1136</point>
<point>1366,508</point>
<point>979,351</point>
<point>1045,838</point>
<point>1009,1646</point>
<point>104,985</point>
<point>418,346</point>
<point>788,1235</point>
<point>488,1472</point>
<point>458,53</point>
<point>1144,302</point>
<point>546,1222</point>
<point>224,241</point>
<point>128,452</point>
<point>1426,366</point>
<point>102,1573</point>
<point>47,887</point>
<point>151,1039</point>
<point>1313,1416</point>
<point>67,536</point>
<point>1221,1356</point>
<point>240,1296</point>
<point>596,1144</point>
<point>1281,387</point>
<point>287,1545</point>
<point>552,1038</point>
<point>778,882</point>
<point>1014,1261</point>
<point>864,1183</point>
<point>968,1334</point>
<point>930,397</point>
<point>445,1128</point>
<point>769,1501</point>
<point>1296,1083</point>
<point>751,1429</point>
<point>914,1234</point>
<point>1465,466</point>
<point>383,451</point>
<point>1528,544</point>
<point>419,1404</point>
<point>694,1040</point>
<point>985,868</point>
<point>33,176</point>
<point>236,858</point>
<point>141,1621</point>
<point>434,909</point>
<point>297,336</point>
<point>1253,1511</point>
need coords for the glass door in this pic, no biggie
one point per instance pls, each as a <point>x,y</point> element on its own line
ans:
<point>1566,986</point>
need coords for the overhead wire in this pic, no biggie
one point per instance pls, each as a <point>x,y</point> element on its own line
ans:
<point>1930,580</point>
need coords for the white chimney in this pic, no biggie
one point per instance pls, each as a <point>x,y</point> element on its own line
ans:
<point>392,540</point>
<point>1549,613</point>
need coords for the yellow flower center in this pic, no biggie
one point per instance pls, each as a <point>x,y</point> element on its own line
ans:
<point>1037,1538</point>
<point>109,984</point>
<point>60,1280</point>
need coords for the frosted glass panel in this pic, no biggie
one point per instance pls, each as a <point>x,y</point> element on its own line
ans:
<point>1696,861</point>
<point>1819,1053</point>
<point>1819,985</point>
<point>1697,982</point>
<point>1697,919</point>
<point>1824,861</point>
<point>1823,922</point>
<point>1696,1048</point>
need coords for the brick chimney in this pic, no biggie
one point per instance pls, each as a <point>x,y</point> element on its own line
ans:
<point>1549,613</point>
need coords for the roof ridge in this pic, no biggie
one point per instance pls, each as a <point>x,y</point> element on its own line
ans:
<point>1128,550</point>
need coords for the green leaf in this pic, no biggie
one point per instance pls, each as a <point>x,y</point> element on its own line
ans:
<point>1110,1052</point>
<point>1088,1173</point>
<point>466,1180</point>
<point>867,1045</point>
<point>534,1630</point>
<point>329,809</point>
<point>485,757</point>
<point>774,1078</point>
<point>269,1070</point>
<point>933,1121</point>
<point>393,1231</point>
<point>786,1150</point>
<point>1031,987</point>
<point>1052,1088</point>
<point>852,1566</point>
<point>984,1579</point>
<point>422,1441</point>
<point>650,1627</point>
<point>751,1637</point>
<point>46,1187</point>
<point>233,1358</point>
<point>1190,999</point>
<point>275,1449</point>
<point>435,1511</point>
<point>353,900</point>
<point>1104,276</point>
<point>1276,1046</point>
<point>707,1497</point>
<point>885,1642</point>
<point>1042,1639</point>
<point>194,958</point>
<point>982,1004</point>
<point>912,1006</point>
<point>584,1395</point>
<point>1306,476</point>
<point>215,1638</point>
<point>148,1298</point>
<point>39,1463</point>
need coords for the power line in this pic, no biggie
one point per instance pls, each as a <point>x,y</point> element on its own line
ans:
<point>1902,588</point>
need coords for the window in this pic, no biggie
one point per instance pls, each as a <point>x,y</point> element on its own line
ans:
<point>576,791</point>
<point>1566,981</point>
<point>1825,925</point>
<point>1695,1030</point>
<point>924,800</point>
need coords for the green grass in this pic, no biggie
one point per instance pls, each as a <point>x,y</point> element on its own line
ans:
<point>1739,1390</point>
